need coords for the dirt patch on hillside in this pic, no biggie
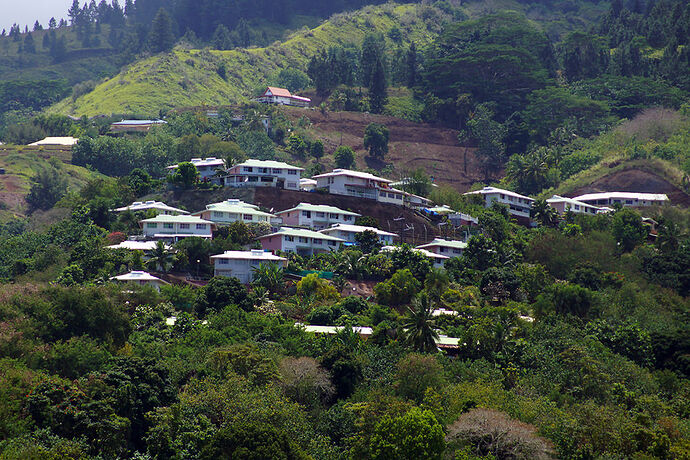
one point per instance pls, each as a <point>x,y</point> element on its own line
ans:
<point>411,145</point>
<point>414,228</point>
<point>636,180</point>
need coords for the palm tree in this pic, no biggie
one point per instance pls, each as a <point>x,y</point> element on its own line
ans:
<point>269,276</point>
<point>670,236</point>
<point>161,257</point>
<point>436,282</point>
<point>418,328</point>
<point>351,264</point>
<point>544,214</point>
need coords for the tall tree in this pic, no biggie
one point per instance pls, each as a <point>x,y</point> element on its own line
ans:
<point>489,135</point>
<point>161,37</point>
<point>377,89</point>
<point>419,326</point>
<point>376,140</point>
<point>411,65</point>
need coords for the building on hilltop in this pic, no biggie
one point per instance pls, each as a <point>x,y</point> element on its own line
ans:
<point>208,168</point>
<point>282,96</point>
<point>157,206</point>
<point>229,211</point>
<point>623,198</point>
<point>299,241</point>
<point>315,216</point>
<point>175,228</point>
<point>360,185</point>
<point>518,205</point>
<point>241,264</point>
<point>263,173</point>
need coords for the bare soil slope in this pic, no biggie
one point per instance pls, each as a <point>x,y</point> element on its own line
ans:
<point>636,180</point>
<point>411,145</point>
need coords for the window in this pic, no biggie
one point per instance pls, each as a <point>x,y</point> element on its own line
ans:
<point>303,239</point>
<point>247,217</point>
<point>292,185</point>
<point>247,169</point>
<point>277,171</point>
<point>347,218</point>
<point>503,197</point>
<point>201,226</point>
<point>306,214</point>
<point>292,172</point>
<point>441,249</point>
<point>317,241</point>
<point>263,170</point>
<point>184,226</point>
<point>457,251</point>
<point>253,179</point>
<point>331,243</point>
<point>577,207</point>
<point>331,180</point>
<point>266,178</point>
<point>223,261</point>
<point>333,216</point>
<point>168,225</point>
<point>217,214</point>
<point>151,225</point>
<point>289,238</point>
<point>320,214</point>
<point>628,201</point>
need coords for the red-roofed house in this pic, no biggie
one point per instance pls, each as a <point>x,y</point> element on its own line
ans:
<point>282,96</point>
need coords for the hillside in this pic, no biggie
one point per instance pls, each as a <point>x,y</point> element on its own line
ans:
<point>411,146</point>
<point>191,77</point>
<point>21,164</point>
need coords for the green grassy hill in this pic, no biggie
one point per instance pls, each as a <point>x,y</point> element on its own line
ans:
<point>21,164</point>
<point>191,78</point>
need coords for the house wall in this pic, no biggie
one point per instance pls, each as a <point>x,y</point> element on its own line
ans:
<point>272,243</point>
<point>177,228</point>
<point>263,177</point>
<point>242,269</point>
<point>224,217</point>
<point>516,206</point>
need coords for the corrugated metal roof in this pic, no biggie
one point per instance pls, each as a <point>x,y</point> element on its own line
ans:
<point>320,208</point>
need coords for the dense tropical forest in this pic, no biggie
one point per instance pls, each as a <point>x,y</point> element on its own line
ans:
<point>573,334</point>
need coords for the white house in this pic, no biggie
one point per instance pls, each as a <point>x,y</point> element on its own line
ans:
<point>315,216</point>
<point>307,185</point>
<point>436,259</point>
<point>141,126</point>
<point>518,205</point>
<point>133,245</point>
<point>264,173</point>
<point>174,228</point>
<point>348,232</point>
<point>157,206</point>
<point>623,198</point>
<point>416,201</point>
<point>563,204</point>
<point>443,247</point>
<point>299,241</point>
<point>229,211</point>
<point>140,278</point>
<point>59,141</point>
<point>359,184</point>
<point>282,96</point>
<point>241,264</point>
<point>207,167</point>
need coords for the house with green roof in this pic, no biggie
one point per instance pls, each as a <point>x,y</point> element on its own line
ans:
<point>316,216</point>
<point>174,228</point>
<point>299,241</point>
<point>233,210</point>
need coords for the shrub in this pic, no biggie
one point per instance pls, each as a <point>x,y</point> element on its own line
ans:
<point>398,290</point>
<point>304,381</point>
<point>415,435</point>
<point>489,431</point>
<point>416,373</point>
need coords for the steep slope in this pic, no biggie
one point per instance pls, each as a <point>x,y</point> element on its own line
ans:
<point>192,77</point>
<point>21,164</point>
<point>411,145</point>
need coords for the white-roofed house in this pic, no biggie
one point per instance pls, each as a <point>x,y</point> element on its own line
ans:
<point>316,216</point>
<point>563,205</point>
<point>299,241</point>
<point>264,173</point>
<point>307,185</point>
<point>208,168</point>
<point>60,141</point>
<point>157,206</point>
<point>436,259</point>
<point>229,211</point>
<point>359,184</point>
<point>623,198</point>
<point>518,205</point>
<point>241,264</point>
<point>135,125</point>
<point>174,228</point>
<point>134,245</point>
<point>450,248</point>
<point>348,232</point>
<point>140,278</point>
